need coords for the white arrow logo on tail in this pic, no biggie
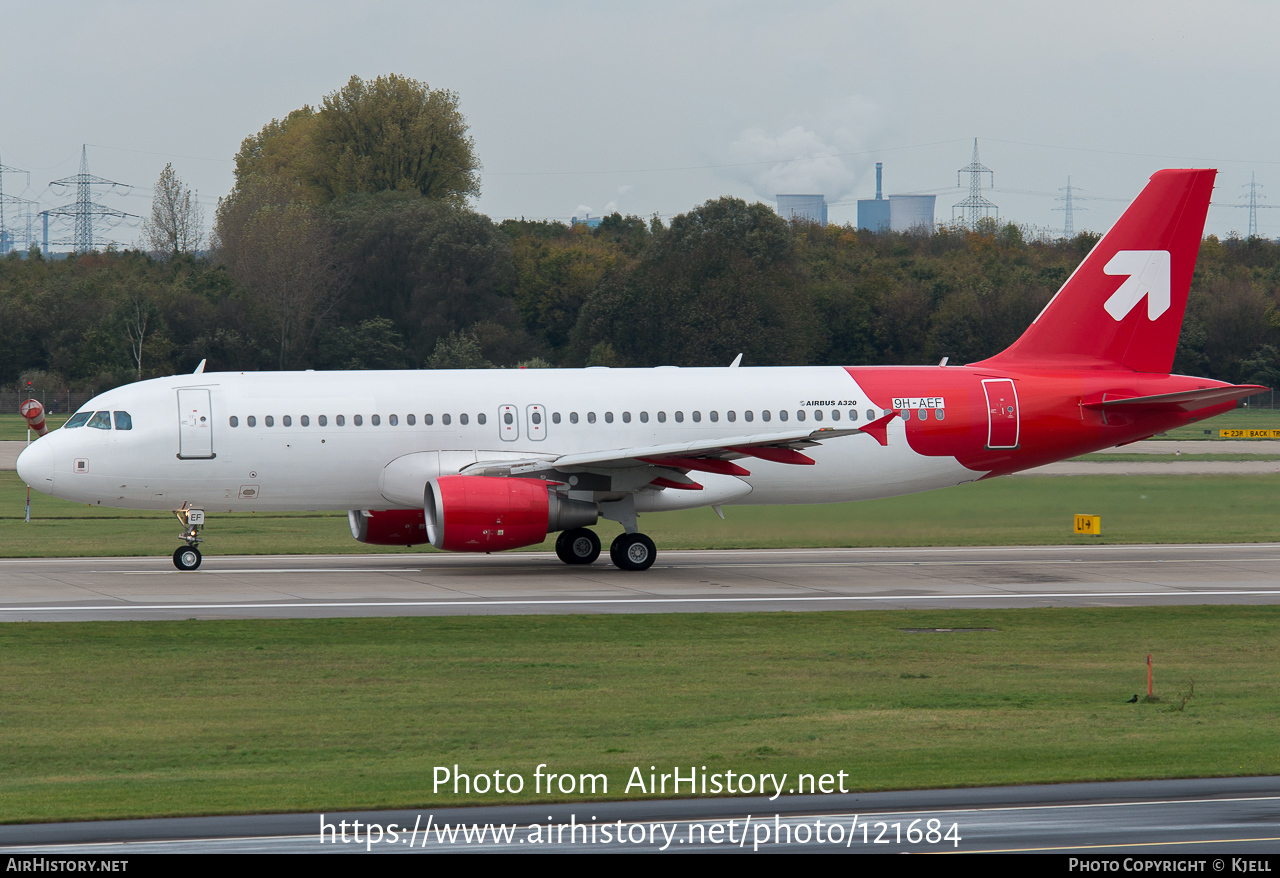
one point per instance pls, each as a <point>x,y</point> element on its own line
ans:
<point>1148,272</point>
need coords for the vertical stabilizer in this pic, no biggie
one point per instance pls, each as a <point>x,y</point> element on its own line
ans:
<point>1123,305</point>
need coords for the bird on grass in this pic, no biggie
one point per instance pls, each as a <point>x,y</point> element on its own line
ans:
<point>1133,700</point>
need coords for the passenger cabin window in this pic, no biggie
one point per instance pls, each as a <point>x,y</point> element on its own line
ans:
<point>535,417</point>
<point>428,420</point>
<point>817,415</point>
<point>662,417</point>
<point>922,414</point>
<point>749,415</point>
<point>940,414</point>
<point>101,421</point>
<point>626,417</point>
<point>782,415</point>
<point>394,420</point>
<point>123,421</point>
<point>340,420</point>
<point>482,418</point>
<point>573,417</point>
<point>644,417</point>
<point>732,416</point>
<point>555,417</point>
<point>697,417</point>
<point>715,417</point>
<point>251,421</point>
<point>608,417</point>
<point>358,420</point>
<point>323,420</point>
<point>463,419</point>
<point>235,422</point>
<point>269,421</point>
<point>411,419</point>
<point>375,420</point>
<point>871,414</point>
<point>305,421</point>
<point>765,415</point>
<point>446,420</point>
<point>800,414</point>
<point>591,417</point>
<point>835,414</point>
<point>679,417</point>
<point>286,421</point>
<point>77,420</point>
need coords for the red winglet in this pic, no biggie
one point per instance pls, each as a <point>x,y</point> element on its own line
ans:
<point>679,486</point>
<point>777,455</point>
<point>699,464</point>
<point>879,428</point>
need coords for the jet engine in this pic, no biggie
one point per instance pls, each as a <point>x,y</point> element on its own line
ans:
<point>388,527</point>
<point>489,513</point>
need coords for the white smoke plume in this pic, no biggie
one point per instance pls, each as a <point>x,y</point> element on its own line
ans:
<point>809,160</point>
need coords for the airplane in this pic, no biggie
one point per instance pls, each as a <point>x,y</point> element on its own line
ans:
<point>488,460</point>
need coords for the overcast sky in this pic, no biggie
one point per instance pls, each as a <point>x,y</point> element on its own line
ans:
<point>656,107</point>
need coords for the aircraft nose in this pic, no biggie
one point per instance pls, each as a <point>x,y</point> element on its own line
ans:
<point>35,465</point>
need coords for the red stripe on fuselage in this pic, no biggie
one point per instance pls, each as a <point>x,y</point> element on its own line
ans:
<point>1054,424</point>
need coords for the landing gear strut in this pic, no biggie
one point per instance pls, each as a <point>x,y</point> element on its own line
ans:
<point>188,557</point>
<point>633,551</point>
<point>578,546</point>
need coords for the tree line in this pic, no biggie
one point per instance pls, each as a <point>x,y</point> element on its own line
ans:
<point>348,242</point>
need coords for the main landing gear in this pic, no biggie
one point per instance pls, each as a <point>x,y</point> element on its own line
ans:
<point>188,557</point>
<point>578,546</point>
<point>629,551</point>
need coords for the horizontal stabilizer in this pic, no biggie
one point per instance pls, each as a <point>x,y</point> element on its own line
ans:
<point>1186,400</point>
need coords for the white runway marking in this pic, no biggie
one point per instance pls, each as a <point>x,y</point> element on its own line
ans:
<point>303,604</point>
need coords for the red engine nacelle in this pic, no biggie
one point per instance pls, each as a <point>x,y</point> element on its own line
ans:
<point>389,527</point>
<point>490,513</point>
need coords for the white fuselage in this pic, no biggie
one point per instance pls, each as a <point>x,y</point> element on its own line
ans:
<point>181,450</point>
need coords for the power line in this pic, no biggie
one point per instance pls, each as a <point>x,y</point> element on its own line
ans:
<point>975,205</point>
<point>1068,225</point>
<point>85,211</point>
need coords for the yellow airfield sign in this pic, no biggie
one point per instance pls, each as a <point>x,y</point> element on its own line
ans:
<point>1249,434</point>
<point>1089,524</point>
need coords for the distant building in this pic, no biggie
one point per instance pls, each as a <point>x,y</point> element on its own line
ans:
<point>6,242</point>
<point>873,213</point>
<point>909,213</point>
<point>811,208</point>
<point>589,221</point>
<point>897,213</point>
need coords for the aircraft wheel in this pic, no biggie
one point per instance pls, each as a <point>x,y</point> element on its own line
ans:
<point>187,558</point>
<point>578,546</point>
<point>633,552</point>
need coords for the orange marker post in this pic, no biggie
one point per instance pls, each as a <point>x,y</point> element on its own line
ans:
<point>1149,692</point>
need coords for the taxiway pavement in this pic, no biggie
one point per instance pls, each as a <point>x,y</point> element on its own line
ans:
<point>1193,817</point>
<point>309,586</point>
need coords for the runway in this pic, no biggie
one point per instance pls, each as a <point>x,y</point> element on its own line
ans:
<point>311,586</point>
<point>1198,818</point>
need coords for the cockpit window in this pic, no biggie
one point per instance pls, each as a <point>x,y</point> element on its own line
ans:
<point>100,421</point>
<point>123,421</point>
<point>77,420</point>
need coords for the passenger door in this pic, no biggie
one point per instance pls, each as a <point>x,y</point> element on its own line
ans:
<point>195,425</point>
<point>1002,413</point>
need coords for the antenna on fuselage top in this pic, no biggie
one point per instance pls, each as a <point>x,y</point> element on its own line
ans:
<point>737,361</point>
<point>200,369</point>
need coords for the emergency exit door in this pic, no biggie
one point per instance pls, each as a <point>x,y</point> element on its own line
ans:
<point>1002,413</point>
<point>195,425</point>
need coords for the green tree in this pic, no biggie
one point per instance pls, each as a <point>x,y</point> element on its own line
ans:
<point>722,280</point>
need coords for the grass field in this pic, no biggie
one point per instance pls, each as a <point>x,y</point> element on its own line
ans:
<point>1238,419</point>
<point>115,719</point>
<point>14,426</point>
<point>1105,457</point>
<point>1026,510</point>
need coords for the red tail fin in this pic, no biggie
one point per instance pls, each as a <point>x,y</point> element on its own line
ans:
<point>1099,318</point>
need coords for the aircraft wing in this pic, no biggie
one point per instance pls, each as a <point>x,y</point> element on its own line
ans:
<point>704,455</point>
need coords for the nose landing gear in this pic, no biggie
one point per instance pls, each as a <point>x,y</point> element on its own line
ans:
<point>188,557</point>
